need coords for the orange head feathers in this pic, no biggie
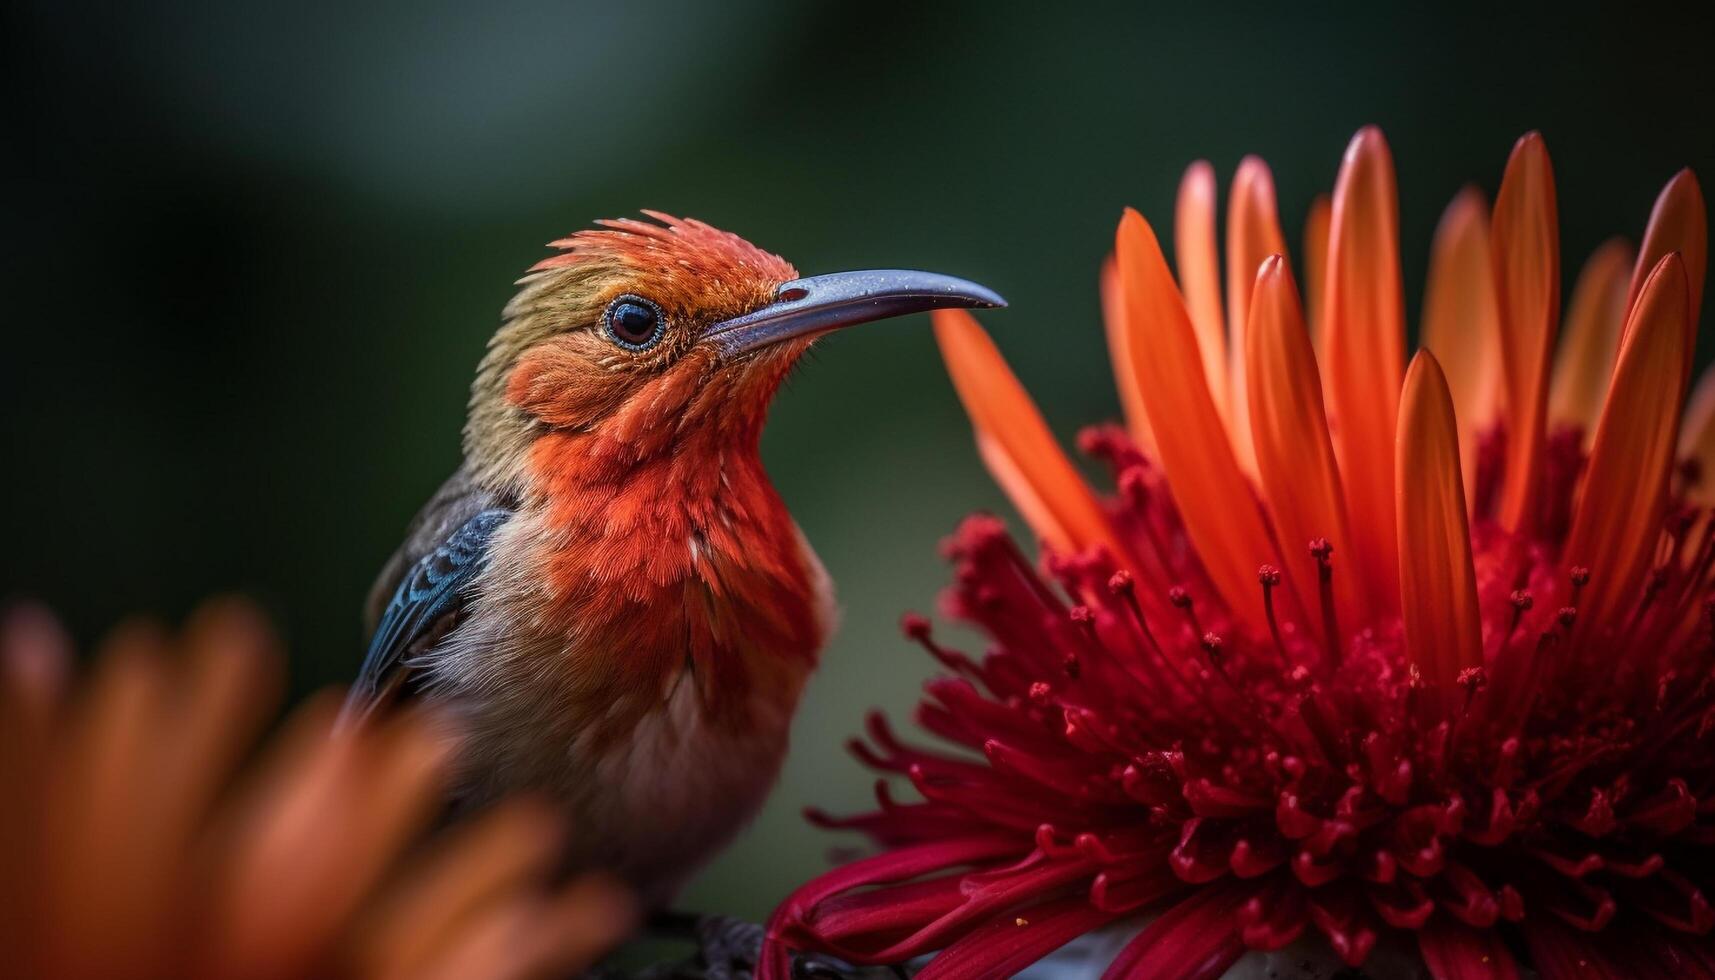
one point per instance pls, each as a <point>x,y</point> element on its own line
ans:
<point>602,339</point>
<point>680,256</point>
<point>645,336</point>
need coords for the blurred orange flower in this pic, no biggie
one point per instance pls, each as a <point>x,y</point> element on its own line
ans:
<point>142,837</point>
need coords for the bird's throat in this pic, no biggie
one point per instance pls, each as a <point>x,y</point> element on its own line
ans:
<point>682,568</point>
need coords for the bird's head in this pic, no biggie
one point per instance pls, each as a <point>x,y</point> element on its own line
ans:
<point>639,336</point>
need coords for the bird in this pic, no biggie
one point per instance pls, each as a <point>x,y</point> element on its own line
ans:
<point>608,596</point>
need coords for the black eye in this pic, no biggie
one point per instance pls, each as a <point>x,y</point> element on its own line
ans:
<point>634,323</point>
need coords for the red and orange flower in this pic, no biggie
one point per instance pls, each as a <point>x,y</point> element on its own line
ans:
<point>1372,653</point>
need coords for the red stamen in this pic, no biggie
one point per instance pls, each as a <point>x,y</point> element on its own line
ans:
<point>1580,577</point>
<point>1521,601</point>
<point>1323,551</point>
<point>1121,584</point>
<point>1181,600</point>
<point>1269,577</point>
<point>918,629</point>
<point>1472,679</point>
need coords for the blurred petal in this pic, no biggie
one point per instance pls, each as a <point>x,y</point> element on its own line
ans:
<point>35,654</point>
<point>1697,440</point>
<point>1461,325</point>
<point>126,853</point>
<point>265,892</point>
<point>103,850</point>
<point>1214,497</point>
<point>1366,348</point>
<point>491,946</point>
<point>1113,323</point>
<point>1007,945</point>
<point>1196,939</point>
<point>581,923</point>
<point>474,909</point>
<point>528,937</point>
<point>1016,443</point>
<point>1678,223</point>
<point>1294,455</point>
<point>1316,270</point>
<point>330,817</point>
<point>1526,237</point>
<point>1457,952</point>
<point>479,865</point>
<point>35,658</point>
<point>1593,322</point>
<point>1253,234</point>
<point>1634,951</point>
<point>1561,953</point>
<point>1438,586</point>
<point>1619,514</point>
<point>229,686</point>
<point>1200,273</point>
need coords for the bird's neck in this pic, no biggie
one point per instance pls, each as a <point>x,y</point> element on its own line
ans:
<point>685,558</point>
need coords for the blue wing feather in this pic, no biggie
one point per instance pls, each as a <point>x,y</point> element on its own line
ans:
<point>432,588</point>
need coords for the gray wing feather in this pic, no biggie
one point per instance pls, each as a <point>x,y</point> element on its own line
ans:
<point>458,500</point>
<point>426,584</point>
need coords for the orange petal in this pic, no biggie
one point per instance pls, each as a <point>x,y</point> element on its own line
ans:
<point>1293,453</point>
<point>318,834</point>
<point>1365,348</point>
<point>1253,234</point>
<point>477,866</point>
<point>1438,587</point>
<point>1013,482</point>
<point>537,936</point>
<point>1461,326</point>
<point>1214,498</point>
<point>35,660</point>
<point>105,851</point>
<point>1316,268</point>
<point>1697,440</point>
<point>1620,510</point>
<point>1679,223</point>
<point>1200,273</point>
<point>1526,237</point>
<point>1016,443</point>
<point>1113,321</point>
<point>230,685</point>
<point>1593,320</point>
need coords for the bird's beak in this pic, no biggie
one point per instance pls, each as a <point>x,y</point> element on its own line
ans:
<point>821,304</point>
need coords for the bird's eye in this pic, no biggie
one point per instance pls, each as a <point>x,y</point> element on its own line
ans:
<point>634,323</point>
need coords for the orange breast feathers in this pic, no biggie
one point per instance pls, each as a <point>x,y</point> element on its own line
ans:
<point>682,558</point>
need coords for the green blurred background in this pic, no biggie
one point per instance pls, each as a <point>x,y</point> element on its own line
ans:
<point>252,252</point>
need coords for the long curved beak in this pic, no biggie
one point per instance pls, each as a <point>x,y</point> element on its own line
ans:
<point>821,304</point>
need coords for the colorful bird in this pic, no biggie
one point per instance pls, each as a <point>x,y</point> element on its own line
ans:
<point>609,592</point>
<point>1401,664</point>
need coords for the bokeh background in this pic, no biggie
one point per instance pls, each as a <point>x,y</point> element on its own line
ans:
<point>251,252</point>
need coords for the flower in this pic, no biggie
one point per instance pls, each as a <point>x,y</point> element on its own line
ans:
<point>128,847</point>
<point>1353,654</point>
